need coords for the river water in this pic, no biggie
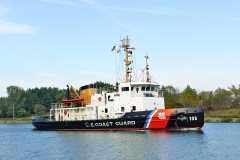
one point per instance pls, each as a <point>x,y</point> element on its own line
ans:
<point>219,141</point>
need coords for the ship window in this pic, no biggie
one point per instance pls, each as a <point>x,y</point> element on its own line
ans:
<point>106,110</point>
<point>109,99</point>
<point>134,108</point>
<point>125,89</point>
<point>152,88</point>
<point>143,88</point>
<point>137,89</point>
<point>122,109</point>
<point>148,88</point>
<point>148,95</point>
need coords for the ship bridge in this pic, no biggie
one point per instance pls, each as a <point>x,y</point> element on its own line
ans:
<point>139,89</point>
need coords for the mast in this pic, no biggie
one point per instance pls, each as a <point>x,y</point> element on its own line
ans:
<point>148,77</point>
<point>143,70</point>
<point>128,62</point>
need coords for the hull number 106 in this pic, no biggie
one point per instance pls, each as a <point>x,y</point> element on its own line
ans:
<point>193,118</point>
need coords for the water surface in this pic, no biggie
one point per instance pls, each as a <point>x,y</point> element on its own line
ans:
<point>215,141</point>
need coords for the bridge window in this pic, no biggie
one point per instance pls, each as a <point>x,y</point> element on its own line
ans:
<point>143,88</point>
<point>148,88</point>
<point>148,95</point>
<point>152,88</point>
<point>125,89</point>
<point>131,88</point>
<point>122,109</point>
<point>137,89</point>
<point>106,110</point>
<point>134,108</point>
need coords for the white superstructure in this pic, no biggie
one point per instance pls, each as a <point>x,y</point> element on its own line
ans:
<point>129,97</point>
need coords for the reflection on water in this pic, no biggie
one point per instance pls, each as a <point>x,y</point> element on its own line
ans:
<point>171,132</point>
<point>214,141</point>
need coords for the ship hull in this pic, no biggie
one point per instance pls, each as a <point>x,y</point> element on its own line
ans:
<point>144,120</point>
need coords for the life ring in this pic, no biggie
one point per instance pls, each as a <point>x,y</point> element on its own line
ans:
<point>65,113</point>
<point>99,99</point>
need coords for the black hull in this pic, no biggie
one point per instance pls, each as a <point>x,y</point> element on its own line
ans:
<point>145,120</point>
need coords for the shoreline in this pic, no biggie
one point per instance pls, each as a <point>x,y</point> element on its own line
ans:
<point>15,121</point>
<point>221,119</point>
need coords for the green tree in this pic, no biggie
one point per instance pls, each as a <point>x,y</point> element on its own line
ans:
<point>189,97</point>
<point>60,96</point>
<point>31,99</point>
<point>222,98</point>
<point>235,95</point>
<point>104,86</point>
<point>15,92</point>
<point>16,98</point>
<point>3,107</point>
<point>39,109</point>
<point>21,112</point>
<point>206,99</point>
<point>26,100</point>
<point>171,96</point>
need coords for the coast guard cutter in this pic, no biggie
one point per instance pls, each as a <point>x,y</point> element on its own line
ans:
<point>133,105</point>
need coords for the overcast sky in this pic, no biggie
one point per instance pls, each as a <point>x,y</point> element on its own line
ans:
<point>58,42</point>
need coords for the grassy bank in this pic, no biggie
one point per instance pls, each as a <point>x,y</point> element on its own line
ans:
<point>223,115</point>
<point>16,120</point>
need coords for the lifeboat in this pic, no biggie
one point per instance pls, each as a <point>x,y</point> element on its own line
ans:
<point>73,101</point>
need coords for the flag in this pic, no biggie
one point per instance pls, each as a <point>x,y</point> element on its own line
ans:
<point>114,47</point>
<point>119,50</point>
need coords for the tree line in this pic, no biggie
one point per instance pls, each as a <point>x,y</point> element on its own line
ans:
<point>38,100</point>
<point>209,100</point>
<point>31,101</point>
<point>34,101</point>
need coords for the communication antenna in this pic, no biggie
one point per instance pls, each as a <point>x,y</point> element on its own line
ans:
<point>148,77</point>
<point>142,74</point>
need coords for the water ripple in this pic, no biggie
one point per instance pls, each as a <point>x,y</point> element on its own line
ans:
<point>215,141</point>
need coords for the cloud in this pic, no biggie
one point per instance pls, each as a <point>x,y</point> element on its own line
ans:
<point>12,27</point>
<point>93,4</point>
<point>7,26</point>
<point>145,10</point>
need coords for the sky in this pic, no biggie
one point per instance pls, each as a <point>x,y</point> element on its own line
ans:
<point>51,43</point>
